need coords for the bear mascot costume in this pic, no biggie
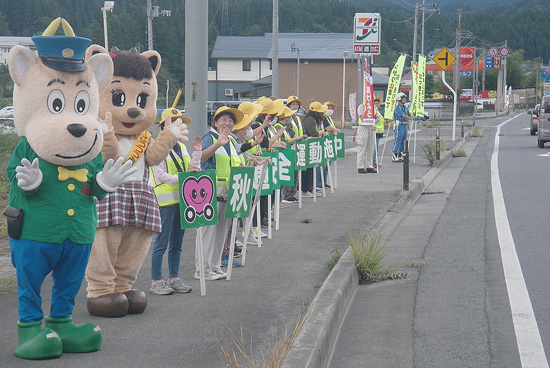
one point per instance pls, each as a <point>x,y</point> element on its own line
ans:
<point>128,217</point>
<point>55,172</point>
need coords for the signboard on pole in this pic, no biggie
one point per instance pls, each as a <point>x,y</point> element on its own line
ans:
<point>339,145</point>
<point>444,58</point>
<point>369,116</point>
<point>240,192</point>
<point>393,87</point>
<point>366,38</point>
<point>314,156</point>
<point>285,162</point>
<point>198,205</point>
<point>301,149</point>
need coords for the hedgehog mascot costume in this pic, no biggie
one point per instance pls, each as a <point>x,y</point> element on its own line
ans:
<point>55,172</point>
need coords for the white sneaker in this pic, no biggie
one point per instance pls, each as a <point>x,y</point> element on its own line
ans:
<point>238,243</point>
<point>307,195</point>
<point>209,276</point>
<point>178,285</point>
<point>220,273</point>
<point>254,233</point>
<point>161,287</point>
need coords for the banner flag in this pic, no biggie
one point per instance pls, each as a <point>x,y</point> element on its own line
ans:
<point>369,114</point>
<point>420,96</point>
<point>393,87</point>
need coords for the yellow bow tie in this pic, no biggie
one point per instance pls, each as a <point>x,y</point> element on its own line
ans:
<point>80,175</point>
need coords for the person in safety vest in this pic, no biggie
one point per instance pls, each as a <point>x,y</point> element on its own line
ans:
<point>328,123</point>
<point>379,131</point>
<point>401,116</point>
<point>219,154</point>
<point>164,179</point>
<point>297,130</point>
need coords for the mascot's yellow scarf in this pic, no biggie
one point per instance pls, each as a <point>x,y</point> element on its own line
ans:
<point>139,147</point>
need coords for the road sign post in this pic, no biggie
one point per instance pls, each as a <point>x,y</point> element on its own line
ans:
<point>444,58</point>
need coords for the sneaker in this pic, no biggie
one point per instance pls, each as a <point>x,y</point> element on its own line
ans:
<point>307,195</point>
<point>225,262</point>
<point>210,276</point>
<point>254,233</point>
<point>395,157</point>
<point>362,171</point>
<point>160,287</point>
<point>290,200</point>
<point>220,274</point>
<point>236,254</point>
<point>238,244</point>
<point>178,286</point>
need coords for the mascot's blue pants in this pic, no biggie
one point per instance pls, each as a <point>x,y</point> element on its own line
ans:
<point>33,261</point>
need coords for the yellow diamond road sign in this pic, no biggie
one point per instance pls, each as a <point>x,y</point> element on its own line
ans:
<point>444,58</point>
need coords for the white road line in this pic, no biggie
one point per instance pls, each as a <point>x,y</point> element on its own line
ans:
<point>531,350</point>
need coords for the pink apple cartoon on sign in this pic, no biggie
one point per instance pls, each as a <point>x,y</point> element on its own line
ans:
<point>197,195</point>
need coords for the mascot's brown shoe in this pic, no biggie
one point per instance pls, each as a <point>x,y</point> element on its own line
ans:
<point>112,306</point>
<point>137,301</point>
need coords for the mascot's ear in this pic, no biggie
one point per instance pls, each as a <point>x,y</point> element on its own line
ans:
<point>102,67</point>
<point>154,59</point>
<point>20,60</point>
<point>94,49</point>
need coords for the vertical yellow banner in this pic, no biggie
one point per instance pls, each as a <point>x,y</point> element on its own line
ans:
<point>393,87</point>
<point>421,86</point>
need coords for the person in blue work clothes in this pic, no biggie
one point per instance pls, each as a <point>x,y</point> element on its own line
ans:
<point>401,115</point>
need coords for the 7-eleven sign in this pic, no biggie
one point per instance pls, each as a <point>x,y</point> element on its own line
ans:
<point>367,28</point>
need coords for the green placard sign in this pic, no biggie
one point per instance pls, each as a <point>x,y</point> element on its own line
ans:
<point>300,154</point>
<point>339,145</point>
<point>314,153</point>
<point>266,182</point>
<point>285,162</point>
<point>240,192</point>
<point>329,150</point>
<point>198,205</point>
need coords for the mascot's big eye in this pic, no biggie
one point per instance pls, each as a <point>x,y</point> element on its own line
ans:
<point>119,98</point>
<point>142,100</point>
<point>56,101</point>
<point>81,102</point>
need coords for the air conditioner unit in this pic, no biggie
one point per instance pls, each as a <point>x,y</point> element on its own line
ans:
<point>229,91</point>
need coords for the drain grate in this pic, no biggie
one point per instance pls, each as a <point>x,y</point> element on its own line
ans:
<point>430,193</point>
<point>384,277</point>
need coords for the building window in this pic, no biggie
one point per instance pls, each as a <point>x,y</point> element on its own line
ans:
<point>270,64</point>
<point>246,65</point>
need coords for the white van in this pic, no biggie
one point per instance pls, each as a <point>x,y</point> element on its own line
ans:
<point>544,122</point>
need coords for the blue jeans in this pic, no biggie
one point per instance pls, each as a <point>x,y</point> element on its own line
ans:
<point>33,261</point>
<point>325,172</point>
<point>400,137</point>
<point>171,233</point>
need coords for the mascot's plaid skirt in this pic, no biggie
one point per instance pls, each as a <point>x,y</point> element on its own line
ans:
<point>132,205</point>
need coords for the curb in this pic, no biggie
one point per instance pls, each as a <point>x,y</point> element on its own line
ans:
<point>315,342</point>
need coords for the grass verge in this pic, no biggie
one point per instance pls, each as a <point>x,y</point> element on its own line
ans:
<point>7,145</point>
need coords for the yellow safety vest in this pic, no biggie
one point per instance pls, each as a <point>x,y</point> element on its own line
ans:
<point>169,194</point>
<point>297,125</point>
<point>224,162</point>
<point>330,122</point>
<point>380,124</point>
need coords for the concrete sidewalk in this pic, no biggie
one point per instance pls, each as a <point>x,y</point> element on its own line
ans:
<point>280,280</point>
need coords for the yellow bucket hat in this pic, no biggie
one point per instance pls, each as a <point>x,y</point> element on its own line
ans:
<point>174,114</point>
<point>246,120</point>
<point>293,98</point>
<point>316,106</point>
<point>271,107</point>
<point>224,109</point>
<point>250,108</point>
<point>329,103</point>
<point>286,112</point>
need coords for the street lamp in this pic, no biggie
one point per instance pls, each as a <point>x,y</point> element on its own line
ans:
<point>292,49</point>
<point>343,88</point>
<point>107,7</point>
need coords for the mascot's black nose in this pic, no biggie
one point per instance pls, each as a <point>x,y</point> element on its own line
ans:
<point>133,112</point>
<point>77,130</point>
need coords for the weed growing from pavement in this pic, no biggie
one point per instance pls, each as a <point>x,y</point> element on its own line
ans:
<point>334,258</point>
<point>416,264</point>
<point>429,149</point>
<point>459,153</point>
<point>240,350</point>
<point>369,252</point>
<point>476,132</point>
<point>433,124</point>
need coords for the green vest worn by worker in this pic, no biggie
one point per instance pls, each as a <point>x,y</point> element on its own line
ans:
<point>169,194</point>
<point>380,124</point>
<point>297,125</point>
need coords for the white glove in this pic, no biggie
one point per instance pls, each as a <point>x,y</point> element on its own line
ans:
<point>29,176</point>
<point>177,127</point>
<point>115,173</point>
<point>195,163</point>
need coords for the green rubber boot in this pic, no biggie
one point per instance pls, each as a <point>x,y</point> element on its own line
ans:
<point>82,338</point>
<point>33,342</point>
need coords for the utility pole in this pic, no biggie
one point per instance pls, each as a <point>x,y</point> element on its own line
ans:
<point>275,51</point>
<point>415,37</point>
<point>423,20</point>
<point>150,24</point>
<point>196,66</point>
<point>456,69</point>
